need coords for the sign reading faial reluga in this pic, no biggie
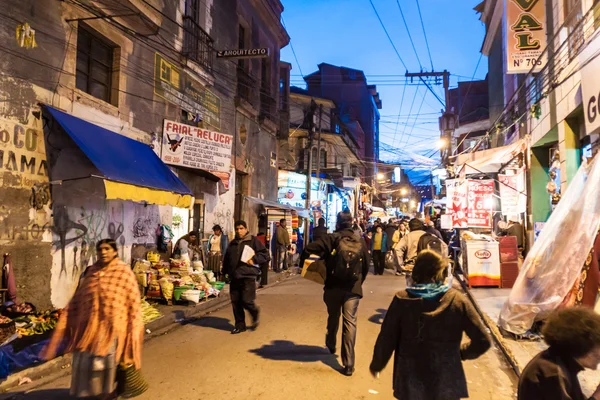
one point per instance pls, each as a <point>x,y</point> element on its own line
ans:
<point>525,36</point>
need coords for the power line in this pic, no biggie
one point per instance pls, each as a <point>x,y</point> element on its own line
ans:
<point>409,35</point>
<point>388,35</point>
<point>292,47</point>
<point>424,34</point>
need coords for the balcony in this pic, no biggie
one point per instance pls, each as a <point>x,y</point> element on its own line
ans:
<point>197,44</point>
<point>268,105</point>
<point>246,85</point>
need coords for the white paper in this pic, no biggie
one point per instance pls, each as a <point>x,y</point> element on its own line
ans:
<point>247,254</point>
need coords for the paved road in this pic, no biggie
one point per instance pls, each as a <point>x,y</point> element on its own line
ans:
<point>285,357</point>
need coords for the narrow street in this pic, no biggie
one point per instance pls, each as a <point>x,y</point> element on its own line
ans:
<point>285,358</point>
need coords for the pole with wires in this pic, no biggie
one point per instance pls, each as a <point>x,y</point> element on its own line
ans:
<point>310,119</point>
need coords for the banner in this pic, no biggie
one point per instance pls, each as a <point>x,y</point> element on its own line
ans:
<point>512,193</point>
<point>590,85</point>
<point>193,147</point>
<point>456,193</point>
<point>525,35</point>
<point>480,203</point>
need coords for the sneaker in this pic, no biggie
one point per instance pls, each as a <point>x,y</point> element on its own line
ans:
<point>235,331</point>
<point>348,371</point>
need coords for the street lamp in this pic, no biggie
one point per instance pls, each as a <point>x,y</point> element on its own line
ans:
<point>448,124</point>
<point>403,191</point>
<point>380,176</point>
<point>442,143</point>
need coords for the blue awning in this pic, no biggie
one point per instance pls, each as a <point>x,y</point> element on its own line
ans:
<point>120,160</point>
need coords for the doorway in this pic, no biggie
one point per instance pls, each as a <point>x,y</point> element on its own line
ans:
<point>241,185</point>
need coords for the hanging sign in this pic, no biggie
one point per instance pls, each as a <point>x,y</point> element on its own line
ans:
<point>244,53</point>
<point>525,35</point>
<point>456,193</point>
<point>480,203</point>
<point>590,86</point>
<point>512,197</point>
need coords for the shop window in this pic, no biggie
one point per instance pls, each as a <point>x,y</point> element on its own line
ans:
<point>94,65</point>
<point>314,160</point>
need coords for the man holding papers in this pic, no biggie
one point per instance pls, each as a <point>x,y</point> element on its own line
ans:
<point>241,264</point>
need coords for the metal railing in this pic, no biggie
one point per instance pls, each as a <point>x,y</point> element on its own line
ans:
<point>246,85</point>
<point>197,44</point>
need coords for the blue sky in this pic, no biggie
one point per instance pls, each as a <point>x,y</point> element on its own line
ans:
<point>348,33</point>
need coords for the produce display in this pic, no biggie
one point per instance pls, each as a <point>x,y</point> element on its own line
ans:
<point>36,324</point>
<point>23,308</point>
<point>149,313</point>
<point>4,320</point>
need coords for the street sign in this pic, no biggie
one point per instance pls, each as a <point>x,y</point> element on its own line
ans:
<point>244,53</point>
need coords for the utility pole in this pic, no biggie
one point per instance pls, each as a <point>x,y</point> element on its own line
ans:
<point>319,141</point>
<point>310,119</point>
<point>431,185</point>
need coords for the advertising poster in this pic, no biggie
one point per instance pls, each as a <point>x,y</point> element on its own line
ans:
<point>480,203</point>
<point>456,193</point>
<point>525,36</point>
<point>512,197</point>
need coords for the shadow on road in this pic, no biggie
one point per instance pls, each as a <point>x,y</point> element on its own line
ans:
<point>285,350</point>
<point>52,394</point>
<point>378,317</point>
<point>219,323</point>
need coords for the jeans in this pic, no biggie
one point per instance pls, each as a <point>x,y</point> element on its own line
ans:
<point>281,257</point>
<point>243,294</point>
<point>378,261</point>
<point>342,302</point>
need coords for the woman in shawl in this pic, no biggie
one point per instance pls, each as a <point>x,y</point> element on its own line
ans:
<point>102,325</point>
<point>424,326</point>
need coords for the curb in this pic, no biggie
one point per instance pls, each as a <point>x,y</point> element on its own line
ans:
<point>496,335</point>
<point>59,367</point>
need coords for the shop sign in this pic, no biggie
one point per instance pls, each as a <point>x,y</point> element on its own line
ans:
<point>289,179</point>
<point>512,197</point>
<point>193,147</point>
<point>525,35</point>
<point>590,86</point>
<point>178,87</point>
<point>244,53</point>
<point>456,193</point>
<point>480,203</point>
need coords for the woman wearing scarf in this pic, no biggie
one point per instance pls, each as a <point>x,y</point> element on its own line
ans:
<point>424,325</point>
<point>102,325</point>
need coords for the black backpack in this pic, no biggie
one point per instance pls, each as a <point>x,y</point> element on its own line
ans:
<point>346,259</point>
<point>433,243</point>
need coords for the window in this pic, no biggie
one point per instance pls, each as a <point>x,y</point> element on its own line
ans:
<point>337,128</point>
<point>197,44</point>
<point>573,15</point>
<point>94,65</point>
<point>314,160</point>
<point>323,159</point>
<point>241,44</point>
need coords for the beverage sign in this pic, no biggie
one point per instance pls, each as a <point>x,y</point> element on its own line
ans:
<point>456,193</point>
<point>192,147</point>
<point>480,203</point>
<point>525,35</point>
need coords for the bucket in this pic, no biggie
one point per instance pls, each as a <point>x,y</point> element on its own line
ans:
<point>177,291</point>
<point>191,295</point>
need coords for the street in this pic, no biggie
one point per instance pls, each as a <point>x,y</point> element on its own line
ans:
<point>285,358</point>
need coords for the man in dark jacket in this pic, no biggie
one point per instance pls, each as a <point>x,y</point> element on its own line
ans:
<point>432,230</point>
<point>243,275</point>
<point>320,230</point>
<point>573,335</point>
<point>340,296</point>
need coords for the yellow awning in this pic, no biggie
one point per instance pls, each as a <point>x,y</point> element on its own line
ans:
<point>125,191</point>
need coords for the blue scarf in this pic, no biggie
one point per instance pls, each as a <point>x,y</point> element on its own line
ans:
<point>428,291</point>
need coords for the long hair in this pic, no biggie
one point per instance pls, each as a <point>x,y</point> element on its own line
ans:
<point>111,242</point>
<point>430,267</point>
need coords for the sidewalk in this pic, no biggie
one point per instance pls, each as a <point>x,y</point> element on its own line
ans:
<point>173,317</point>
<point>490,301</point>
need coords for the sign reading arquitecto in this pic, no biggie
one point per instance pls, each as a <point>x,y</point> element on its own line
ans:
<point>244,53</point>
<point>590,85</point>
<point>192,147</point>
<point>178,87</point>
<point>525,35</point>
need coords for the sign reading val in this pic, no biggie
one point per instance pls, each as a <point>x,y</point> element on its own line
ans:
<point>525,35</point>
<point>480,204</point>
<point>192,147</point>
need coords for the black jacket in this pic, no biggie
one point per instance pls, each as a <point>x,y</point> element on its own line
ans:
<point>236,269</point>
<point>550,376</point>
<point>324,247</point>
<point>319,232</point>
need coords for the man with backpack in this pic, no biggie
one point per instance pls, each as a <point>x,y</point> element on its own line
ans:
<point>347,263</point>
<point>406,249</point>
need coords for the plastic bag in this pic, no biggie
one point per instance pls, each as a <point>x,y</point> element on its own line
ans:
<point>557,257</point>
<point>390,260</point>
<point>166,288</point>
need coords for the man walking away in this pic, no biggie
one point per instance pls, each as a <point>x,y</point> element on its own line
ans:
<point>243,273</point>
<point>431,230</point>
<point>283,244</point>
<point>320,230</point>
<point>406,250</point>
<point>347,263</point>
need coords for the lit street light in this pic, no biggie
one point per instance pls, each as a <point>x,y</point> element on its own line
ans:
<point>380,176</point>
<point>403,192</point>
<point>442,143</point>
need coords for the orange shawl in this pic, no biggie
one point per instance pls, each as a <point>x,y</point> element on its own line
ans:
<point>106,308</point>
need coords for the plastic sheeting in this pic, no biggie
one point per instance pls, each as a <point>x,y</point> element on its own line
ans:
<point>11,360</point>
<point>558,255</point>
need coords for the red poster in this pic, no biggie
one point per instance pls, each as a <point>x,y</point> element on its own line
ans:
<point>480,203</point>
<point>456,192</point>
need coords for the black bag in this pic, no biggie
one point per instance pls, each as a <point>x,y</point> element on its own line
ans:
<point>346,259</point>
<point>433,243</point>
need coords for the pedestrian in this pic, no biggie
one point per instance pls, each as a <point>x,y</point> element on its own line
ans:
<point>399,234</point>
<point>216,247</point>
<point>424,326</point>
<point>406,249</point>
<point>368,237</point>
<point>573,335</point>
<point>378,250</point>
<point>320,230</point>
<point>243,273</point>
<point>102,325</point>
<point>264,267</point>
<point>432,231</point>
<point>282,238</point>
<point>357,230</point>
<point>186,248</point>
<point>390,229</point>
<point>347,265</point>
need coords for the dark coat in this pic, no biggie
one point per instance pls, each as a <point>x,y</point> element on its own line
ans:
<point>425,336</point>
<point>324,247</point>
<point>550,376</point>
<point>232,264</point>
<point>319,232</point>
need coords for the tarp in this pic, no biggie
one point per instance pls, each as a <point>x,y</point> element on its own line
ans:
<point>558,255</point>
<point>304,213</point>
<point>488,161</point>
<point>119,159</point>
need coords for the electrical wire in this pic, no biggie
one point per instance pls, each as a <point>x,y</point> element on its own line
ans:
<point>409,35</point>
<point>424,34</point>
<point>388,35</point>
